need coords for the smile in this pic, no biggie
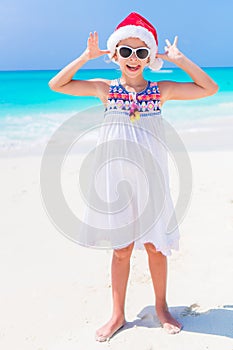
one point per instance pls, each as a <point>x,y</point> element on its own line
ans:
<point>133,68</point>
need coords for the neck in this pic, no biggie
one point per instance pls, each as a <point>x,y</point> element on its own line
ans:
<point>135,82</point>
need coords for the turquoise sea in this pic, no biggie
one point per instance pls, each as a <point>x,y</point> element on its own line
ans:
<point>30,112</point>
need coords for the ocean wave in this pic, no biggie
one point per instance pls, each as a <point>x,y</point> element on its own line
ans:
<point>163,71</point>
<point>226,105</point>
<point>34,132</point>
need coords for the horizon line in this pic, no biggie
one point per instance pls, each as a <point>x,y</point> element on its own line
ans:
<point>58,69</point>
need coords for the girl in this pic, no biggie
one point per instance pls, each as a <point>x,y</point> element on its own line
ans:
<point>133,46</point>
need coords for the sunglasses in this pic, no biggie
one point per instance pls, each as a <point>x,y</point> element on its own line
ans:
<point>125,52</point>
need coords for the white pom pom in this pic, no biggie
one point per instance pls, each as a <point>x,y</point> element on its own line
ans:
<point>156,64</point>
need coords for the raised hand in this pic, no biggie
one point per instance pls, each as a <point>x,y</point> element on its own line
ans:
<point>93,51</point>
<point>172,53</point>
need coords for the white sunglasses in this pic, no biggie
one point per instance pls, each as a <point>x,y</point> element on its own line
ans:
<point>126,51</point>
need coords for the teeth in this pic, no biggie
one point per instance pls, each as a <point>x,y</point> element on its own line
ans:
<point>133,66</point>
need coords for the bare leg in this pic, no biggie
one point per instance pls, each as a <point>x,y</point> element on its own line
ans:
<point>158,270</point>
<point>120,273</point>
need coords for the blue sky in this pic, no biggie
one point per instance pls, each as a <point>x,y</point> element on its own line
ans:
<point>48,34</point>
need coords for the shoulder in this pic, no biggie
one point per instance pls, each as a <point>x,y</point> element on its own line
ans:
<point>101,83</point>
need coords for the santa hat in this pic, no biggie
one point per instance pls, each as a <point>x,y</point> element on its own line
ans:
<point>136,26</point>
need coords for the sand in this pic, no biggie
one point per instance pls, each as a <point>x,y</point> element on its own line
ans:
<point>56,293</point>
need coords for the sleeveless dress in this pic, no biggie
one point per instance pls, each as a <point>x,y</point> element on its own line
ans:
<point>129,188</point>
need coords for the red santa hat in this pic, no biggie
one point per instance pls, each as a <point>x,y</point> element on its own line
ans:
<point>136,26</point>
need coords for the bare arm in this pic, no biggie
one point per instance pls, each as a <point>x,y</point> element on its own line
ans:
<point>63,82</point>
<point>201,86</point>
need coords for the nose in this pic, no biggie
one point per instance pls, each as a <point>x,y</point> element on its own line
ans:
<point>133,56</point>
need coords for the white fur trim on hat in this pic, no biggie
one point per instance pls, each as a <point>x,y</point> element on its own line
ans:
<point>133,31</point>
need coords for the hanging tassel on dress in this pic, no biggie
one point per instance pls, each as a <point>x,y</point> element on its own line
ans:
<point>134,112</point>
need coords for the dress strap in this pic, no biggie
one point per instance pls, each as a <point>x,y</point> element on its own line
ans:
<point>114,82</point>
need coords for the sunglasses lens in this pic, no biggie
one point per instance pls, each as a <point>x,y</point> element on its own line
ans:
<point>125,52</point>
<point>142,53</point>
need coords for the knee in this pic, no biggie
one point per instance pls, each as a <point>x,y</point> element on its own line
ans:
<point>150,248</point>
<point>124,253</point>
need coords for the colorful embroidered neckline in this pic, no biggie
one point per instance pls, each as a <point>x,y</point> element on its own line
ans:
<point>136,104</point>
<point>137,93</point>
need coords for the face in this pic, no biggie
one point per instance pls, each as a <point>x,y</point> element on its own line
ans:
<point>132,66</point>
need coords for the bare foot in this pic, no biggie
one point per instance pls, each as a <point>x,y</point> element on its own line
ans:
<point>106,332</point>
<point>170,324</point>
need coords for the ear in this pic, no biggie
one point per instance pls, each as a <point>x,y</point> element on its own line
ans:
<point>115,56</point>
<point>148,61</point>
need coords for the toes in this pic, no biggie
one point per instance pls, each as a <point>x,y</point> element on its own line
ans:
<point>101,337</point>
<point>171,329</point>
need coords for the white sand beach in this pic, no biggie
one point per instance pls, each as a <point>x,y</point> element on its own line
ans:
<point>56,293</point>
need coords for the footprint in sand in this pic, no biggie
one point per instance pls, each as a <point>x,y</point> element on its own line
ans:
<point>194,310</point>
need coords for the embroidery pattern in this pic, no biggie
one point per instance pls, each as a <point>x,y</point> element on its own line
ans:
<point>135,103</point>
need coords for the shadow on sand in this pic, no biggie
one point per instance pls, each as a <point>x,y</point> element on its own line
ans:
<point>217,321</point>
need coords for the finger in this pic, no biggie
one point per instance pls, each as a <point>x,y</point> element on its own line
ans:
<point>90,36</point>
<point>165,48</point>
<point>105,51</point>
<point>96,37</point>
<point>175,41</point>
<point>168,42</point>
<point>90,40</point>
<point>160,55</point>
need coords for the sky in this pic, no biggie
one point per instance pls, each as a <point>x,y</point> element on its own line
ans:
<point>49,34</point>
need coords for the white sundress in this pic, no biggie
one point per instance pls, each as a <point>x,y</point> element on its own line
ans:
<point>129,195</point>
